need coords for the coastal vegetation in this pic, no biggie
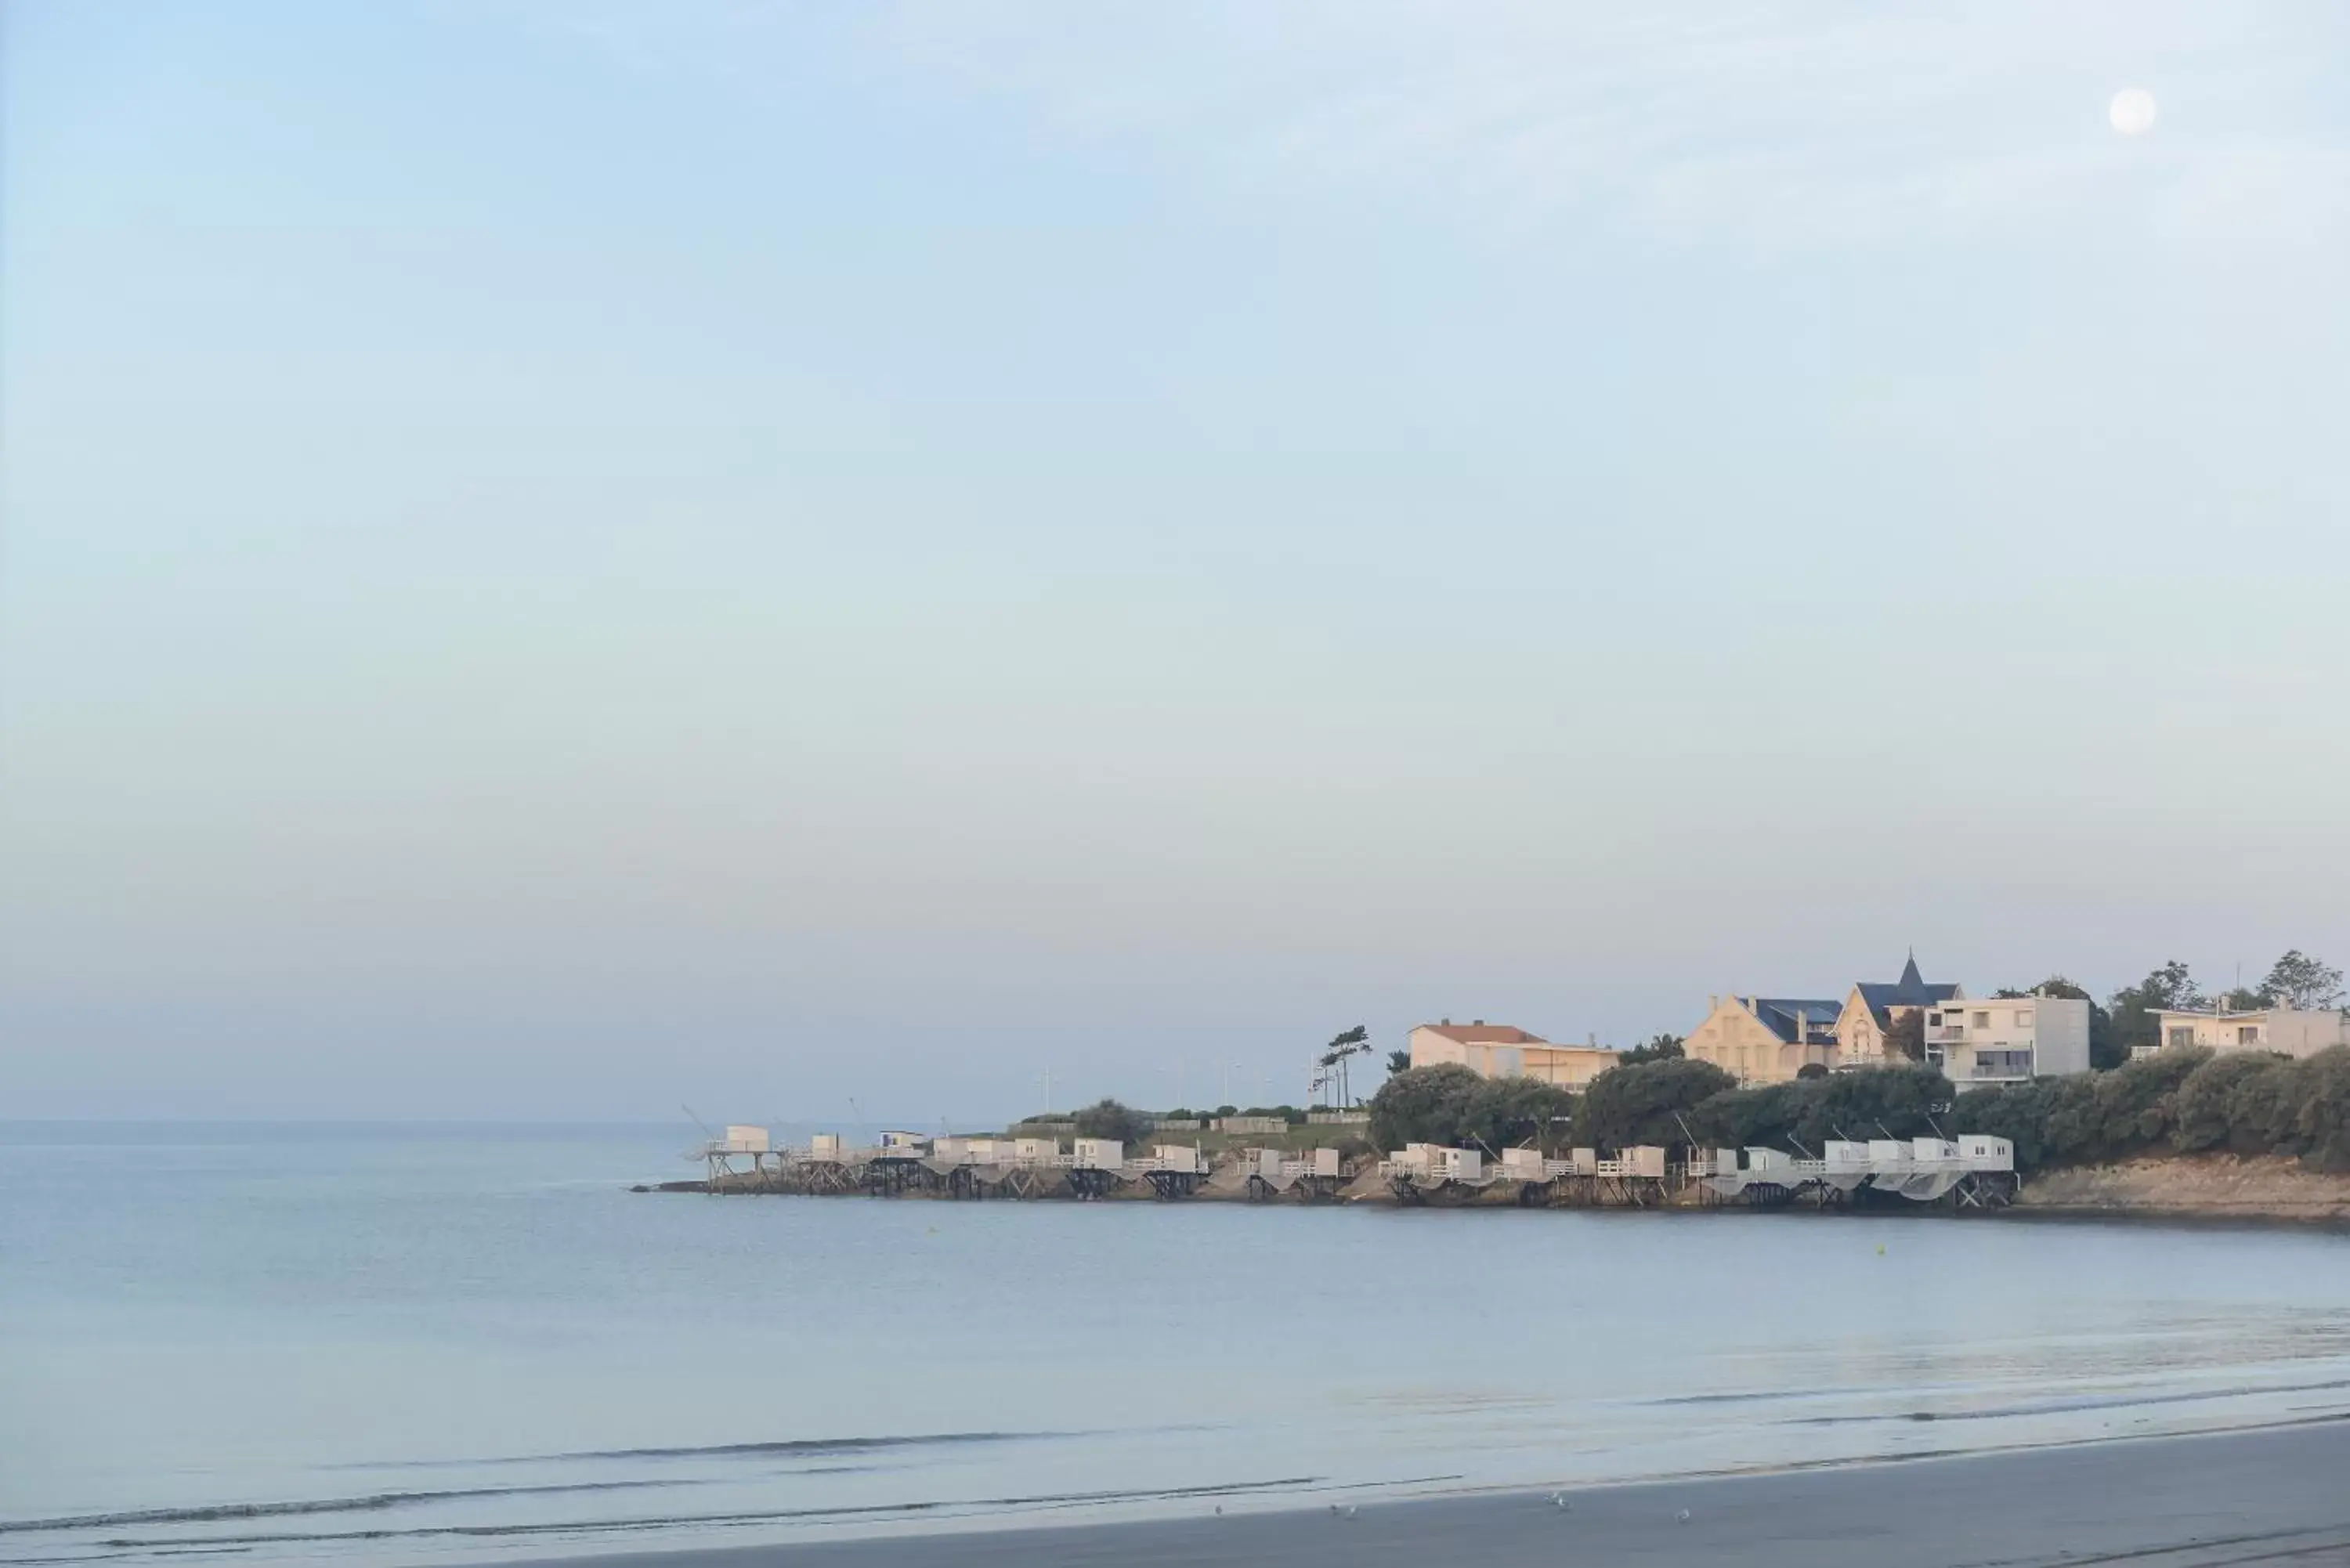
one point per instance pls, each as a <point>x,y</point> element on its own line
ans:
<point>1107,1117</point>
<point>2177,1101</point>
<point>1656,1048</point>
<point>1646,1103</point>
<point>1451,1105</point>
<point>2174,1102</point>
<point>1668,1099</point>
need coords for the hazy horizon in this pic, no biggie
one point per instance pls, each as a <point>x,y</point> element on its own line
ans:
<point>558,560</point>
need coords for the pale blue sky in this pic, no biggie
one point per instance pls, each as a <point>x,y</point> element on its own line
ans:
<point>563,558</point>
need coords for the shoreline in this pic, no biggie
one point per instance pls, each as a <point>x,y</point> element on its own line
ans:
<point>2258,1495</point>
<point>2194,1191</point>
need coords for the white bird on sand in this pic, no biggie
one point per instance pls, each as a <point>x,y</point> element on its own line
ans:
<point>1350,1511</point>
<point>1559,1499</point>
<point>1682,1516</point>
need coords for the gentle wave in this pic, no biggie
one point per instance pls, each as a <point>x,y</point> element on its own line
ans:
<point>796,1446</point>
<point>2070,1406</point>
<point>776,1516</point>
<point>371,1502</point>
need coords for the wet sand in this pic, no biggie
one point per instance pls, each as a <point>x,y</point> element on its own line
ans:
<point>2273,1496</point>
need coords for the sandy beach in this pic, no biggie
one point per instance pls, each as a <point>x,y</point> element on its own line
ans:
<point>2258,1496</point>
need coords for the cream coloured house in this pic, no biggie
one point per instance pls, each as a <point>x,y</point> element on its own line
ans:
<point>2288,1031</point>
<point>1766,1039</point>
<point>1501,1051</point>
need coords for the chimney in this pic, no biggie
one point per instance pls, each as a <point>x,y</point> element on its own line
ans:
<point>1713,1003</point>
<point>1446,1022</point>
<point>1477,1024</point>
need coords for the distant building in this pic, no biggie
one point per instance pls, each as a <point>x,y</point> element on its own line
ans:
<point>1766,1039</point>
<point>1867,1019</point>
<point>2008,1040</point>
<point>2288,1031</point>
<point>1500,1051</point>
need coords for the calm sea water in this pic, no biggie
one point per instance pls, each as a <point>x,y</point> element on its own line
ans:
<point>417,1345</point>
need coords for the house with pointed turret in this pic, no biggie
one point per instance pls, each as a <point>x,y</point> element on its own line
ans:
<point>1873,1008</point>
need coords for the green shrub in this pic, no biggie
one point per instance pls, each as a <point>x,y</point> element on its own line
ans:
<point>2204,1112</point>
<point>2135,1106</point>
<point>1895,1101</point>
<point>2069,1119</point>
<point>2322,1119</point>
<point>2263,1110</point>
<point>1504,1111</point>
<point>2016,1112</point>
<point>1109,1118</point>
<point>1423,1104</point>
<point>1645,1103</point>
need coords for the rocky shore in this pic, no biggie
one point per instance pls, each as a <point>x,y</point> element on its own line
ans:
<point>2193,1186</point>
<point>2272,1189</point>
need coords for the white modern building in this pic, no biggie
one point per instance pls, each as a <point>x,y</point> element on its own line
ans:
<point>2007,1039</point>
<point>2287,1031</point>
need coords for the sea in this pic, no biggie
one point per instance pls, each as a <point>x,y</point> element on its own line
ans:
<point>425,1345</point>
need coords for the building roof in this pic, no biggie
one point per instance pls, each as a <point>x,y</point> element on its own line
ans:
<point>1909,991</point>
<point>1484,1034</point>
<point>2230,1014</point>
<point>1778,1015</point>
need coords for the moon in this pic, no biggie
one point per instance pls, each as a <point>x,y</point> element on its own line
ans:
<point>2132,111</point>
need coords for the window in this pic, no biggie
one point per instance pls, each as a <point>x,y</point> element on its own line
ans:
<point>2023,1018</point>
<point>1983,1020</point>
<point>2184,1036</point>
<point>2248,1035</point>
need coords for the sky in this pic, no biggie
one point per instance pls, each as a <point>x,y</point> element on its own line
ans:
<point>559,559</point>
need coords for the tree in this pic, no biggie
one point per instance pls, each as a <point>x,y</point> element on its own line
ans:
<point>2298,980</point>
<point>1342,1049</point>
<point>1645,1103</point>
<point>2103,1050</point>
<point>1398,1062</point>
<point>2203,1110</point>
<point>1422,1105</point>
<point>1659,1048</point>
<point>1107,1117</point>
<point>1906,1037</point>
<point>2167,988</point>
<point>1503,1111</point>
<point>1897,1100</point>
